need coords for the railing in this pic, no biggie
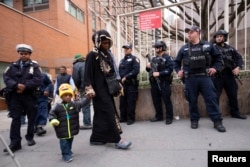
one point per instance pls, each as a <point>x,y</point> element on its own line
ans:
<point>232,16</point>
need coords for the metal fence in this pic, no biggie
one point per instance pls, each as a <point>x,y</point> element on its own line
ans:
<point>210,15</point>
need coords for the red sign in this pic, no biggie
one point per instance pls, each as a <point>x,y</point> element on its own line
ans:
<point>150,20</point>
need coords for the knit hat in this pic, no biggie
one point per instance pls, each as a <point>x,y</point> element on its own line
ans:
<point>65,88</point>
<point>77,56</point>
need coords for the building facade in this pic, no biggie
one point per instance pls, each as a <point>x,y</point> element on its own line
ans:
<point>56,29</point>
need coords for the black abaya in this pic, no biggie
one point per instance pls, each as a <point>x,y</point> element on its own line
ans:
<point>104,123</point>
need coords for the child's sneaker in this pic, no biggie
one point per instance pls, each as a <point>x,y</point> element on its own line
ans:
<point>123,144</point>
<point>67,159</point>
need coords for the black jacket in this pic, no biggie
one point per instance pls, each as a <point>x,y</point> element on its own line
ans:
<point>129,67</point>
<point>29,75</point>
<point>78,74</point>
<point>68,116</point>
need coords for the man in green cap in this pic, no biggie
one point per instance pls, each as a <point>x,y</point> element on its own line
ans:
<point>78,77</point>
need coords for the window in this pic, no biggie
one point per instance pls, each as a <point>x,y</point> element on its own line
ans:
<point>73,10</point>
<point>8,2</point>
<point>34,5</point>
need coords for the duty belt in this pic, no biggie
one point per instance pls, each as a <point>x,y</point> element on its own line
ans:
<point>197,74</point>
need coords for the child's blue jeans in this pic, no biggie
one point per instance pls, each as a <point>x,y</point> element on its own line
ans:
<point>66,145</point>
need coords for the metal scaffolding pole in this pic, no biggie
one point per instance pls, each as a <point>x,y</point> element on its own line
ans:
<point>131,13</point>
<point>226,17</point>
<point>9,151</point>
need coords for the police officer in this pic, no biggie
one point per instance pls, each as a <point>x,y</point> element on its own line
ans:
<point>225,78</point>
<point>129,68</point>
<point>160,69</point>
<point>195,57</point>
<point>22,78</point>
<point>42,104</point>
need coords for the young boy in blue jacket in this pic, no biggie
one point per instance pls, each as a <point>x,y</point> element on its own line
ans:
<point>64,117</point>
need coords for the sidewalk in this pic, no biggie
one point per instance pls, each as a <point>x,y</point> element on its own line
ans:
<point>154,145</point>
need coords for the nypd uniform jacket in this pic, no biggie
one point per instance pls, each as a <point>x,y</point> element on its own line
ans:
<point>206,49</point>
<point>164,66</point>
<point>29,75</point>
<point>231,58</point>
<point>129,67</point>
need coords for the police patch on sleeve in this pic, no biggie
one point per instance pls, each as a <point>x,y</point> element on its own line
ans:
<point>137,60</point>
<point>6,69</point>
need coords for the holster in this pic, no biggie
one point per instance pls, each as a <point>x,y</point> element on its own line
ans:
<point>132,81</point>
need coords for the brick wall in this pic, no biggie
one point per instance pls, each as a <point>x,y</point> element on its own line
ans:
<point>53,47</point>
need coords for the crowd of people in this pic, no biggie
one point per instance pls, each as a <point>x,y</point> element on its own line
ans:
<point>204,68</point>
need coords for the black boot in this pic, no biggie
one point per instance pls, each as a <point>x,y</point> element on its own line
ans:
<point>194,124</point>
<point>239,116</point>
<point>40,131</point>
<point>169,121</point>
<point>13,148</point>
<point>35,129</point>
<point>218,125</point>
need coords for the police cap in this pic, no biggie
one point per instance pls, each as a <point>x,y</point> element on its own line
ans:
<point>192,28</point>
<point>127,46</point>
<point>24,48</point>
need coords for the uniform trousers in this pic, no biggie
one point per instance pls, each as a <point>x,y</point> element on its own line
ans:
<point>159,94</point>
<point>20,103</point>
<point>128,102</point>
<point>204,85</point>
<point>228,82</point>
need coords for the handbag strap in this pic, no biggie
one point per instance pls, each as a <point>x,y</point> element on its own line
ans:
<point>100,55</point>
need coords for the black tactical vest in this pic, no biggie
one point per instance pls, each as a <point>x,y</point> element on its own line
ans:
<point>160,63</point>
<point>196,57</point>
<point>227,55</point>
